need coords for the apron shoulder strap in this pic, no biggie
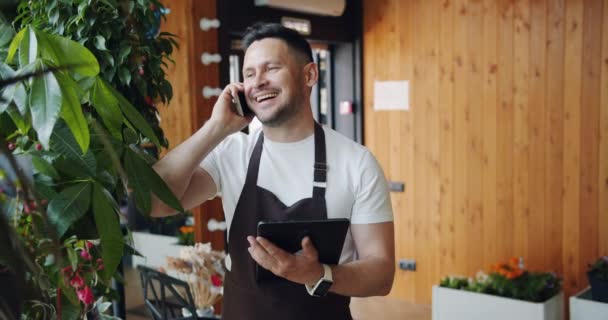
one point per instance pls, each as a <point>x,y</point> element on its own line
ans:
<point>254,162</point>
<point>320,166</point>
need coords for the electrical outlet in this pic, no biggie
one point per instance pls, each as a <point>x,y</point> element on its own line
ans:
<point>407,264</point>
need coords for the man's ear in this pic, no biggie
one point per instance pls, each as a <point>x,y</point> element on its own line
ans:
<point>311,74</point>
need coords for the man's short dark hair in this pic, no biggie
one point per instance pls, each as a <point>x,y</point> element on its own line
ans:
<point>293,39</point>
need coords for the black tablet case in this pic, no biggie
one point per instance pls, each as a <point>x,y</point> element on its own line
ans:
<point>327,236</point>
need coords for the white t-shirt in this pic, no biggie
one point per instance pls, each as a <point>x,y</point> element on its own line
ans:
<point>356,186</point>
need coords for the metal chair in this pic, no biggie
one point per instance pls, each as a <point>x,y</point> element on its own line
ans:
<point>165,296</point>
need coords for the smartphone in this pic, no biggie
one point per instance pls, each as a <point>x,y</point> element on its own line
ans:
<point>242,108</point>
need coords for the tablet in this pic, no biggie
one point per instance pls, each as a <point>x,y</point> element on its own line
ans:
<point>327,236</point>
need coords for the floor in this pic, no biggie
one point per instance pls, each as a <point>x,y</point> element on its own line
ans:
<point>362,309</point>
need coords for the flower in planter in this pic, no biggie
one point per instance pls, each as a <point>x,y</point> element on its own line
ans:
<point>510,280</point>
<point>186,235</point>
<point>598,279</point>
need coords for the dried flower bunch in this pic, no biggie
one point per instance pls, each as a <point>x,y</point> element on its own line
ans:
<point>203,269</point>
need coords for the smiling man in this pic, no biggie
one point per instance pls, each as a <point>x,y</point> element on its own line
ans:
<point>290,169</point>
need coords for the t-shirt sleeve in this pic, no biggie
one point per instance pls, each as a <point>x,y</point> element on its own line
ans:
<point>372,198</point>
<point>211,164</point>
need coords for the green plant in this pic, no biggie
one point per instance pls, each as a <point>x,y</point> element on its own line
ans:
<point>509,280</point>
<point>83,139</point>
<point>124,36</point>
<point>600,268</point>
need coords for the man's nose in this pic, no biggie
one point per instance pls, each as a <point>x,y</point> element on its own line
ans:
<point>260,80</point>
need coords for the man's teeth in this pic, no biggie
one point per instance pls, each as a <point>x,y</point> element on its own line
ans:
<point>266,96</point>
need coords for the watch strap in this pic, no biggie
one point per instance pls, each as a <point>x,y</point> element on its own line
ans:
<point>327,276</point>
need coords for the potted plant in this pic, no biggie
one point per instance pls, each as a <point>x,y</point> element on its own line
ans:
<point>506,291</point>
<point>77,116</point>
<point>598,279</point>
<point>592,303</point>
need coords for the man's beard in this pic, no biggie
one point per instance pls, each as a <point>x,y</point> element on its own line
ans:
<point>282,114</point>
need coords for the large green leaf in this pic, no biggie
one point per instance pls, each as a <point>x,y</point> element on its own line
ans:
<point>148,177</point>
<point>28,49</point>
<point>44,191</point>
<point>22,124</point>
<point>71,111</point>
<point>136,118</point>
<point>64,143</point>
<point>69,206</point>
<point>14,92</point>
<point>106,105</point>
<point>65,52</point>
<point>43,167</point>
<point>6,93</point>
<point>106,219</point>
<point>141,191</point>
<point>45,105</point>
<point>6,33</point>
<point>14,47</point>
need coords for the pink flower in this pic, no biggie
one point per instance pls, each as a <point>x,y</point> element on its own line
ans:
<point>85,295</point>
<point>100,266</point>
<point>85,255</point>
<point>77,282</point>
<point>89,244</point>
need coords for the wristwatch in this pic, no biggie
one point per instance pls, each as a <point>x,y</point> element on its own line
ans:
<point>321,288</point>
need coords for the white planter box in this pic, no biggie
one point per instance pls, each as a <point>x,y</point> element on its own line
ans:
<point>452,304</point>
<point>583,308</point>
<point>155,248</point>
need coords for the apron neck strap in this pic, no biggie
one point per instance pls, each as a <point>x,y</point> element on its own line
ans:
<point>320,165</point>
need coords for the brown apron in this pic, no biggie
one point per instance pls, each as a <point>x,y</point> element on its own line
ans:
<point>244,297</point>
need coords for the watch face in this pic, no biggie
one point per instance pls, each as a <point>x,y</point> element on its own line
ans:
<point>323,288</point>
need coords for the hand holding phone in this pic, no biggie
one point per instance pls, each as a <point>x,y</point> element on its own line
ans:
<point>242,108</point>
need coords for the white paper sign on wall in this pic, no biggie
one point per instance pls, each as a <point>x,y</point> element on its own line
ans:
<point>391,95</point>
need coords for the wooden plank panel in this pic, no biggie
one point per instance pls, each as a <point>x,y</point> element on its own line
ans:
<point>395,142</point>
<point>178,128</point>
<point>461,109</point>
<point>521,73</point>
<point>504,135</point>
<point>406,66</point>
<point>537,139</point>
<point>554,135</point>
<point>572,122</point>
<point>433,136</point>
<point>428,147</point>
<point>209,75</point>
<point>447,252</point>
<point>421,208</point>
<point>489,113</point>
<point>590,112</point>
<point>474,158</point>
<point>603,143</point>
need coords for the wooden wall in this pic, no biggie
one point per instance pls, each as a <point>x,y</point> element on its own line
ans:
<point>188,110</point>
<point>504,151</point>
